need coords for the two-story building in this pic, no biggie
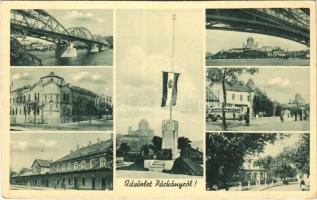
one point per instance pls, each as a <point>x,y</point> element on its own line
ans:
<point>52,101</point>
<point>89,167</point>
<point>238,95</point>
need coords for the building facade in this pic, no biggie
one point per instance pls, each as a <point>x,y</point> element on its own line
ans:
<point>89,167</point>
<point>52,101</point>
<point>143,130</point>
<point>238,95</point>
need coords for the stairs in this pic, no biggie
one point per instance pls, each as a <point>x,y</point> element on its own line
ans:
<point>157,165</point>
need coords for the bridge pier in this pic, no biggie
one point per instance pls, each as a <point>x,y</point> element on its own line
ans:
<point>93,48</point>
<point>103,48</point>
<point>65,51</point>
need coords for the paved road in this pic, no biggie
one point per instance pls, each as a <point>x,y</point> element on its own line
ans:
<point>292,187</point>
<point>95,125</point>
<point>261,124</point>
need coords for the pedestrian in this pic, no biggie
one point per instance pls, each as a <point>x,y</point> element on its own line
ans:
<point>301,115</point>
<point>282,115</point>
<point>302,185</point>
<point>247,116</point>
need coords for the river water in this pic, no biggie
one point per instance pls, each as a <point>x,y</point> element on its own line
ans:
<point>103,58</point>
<point>258,62</point>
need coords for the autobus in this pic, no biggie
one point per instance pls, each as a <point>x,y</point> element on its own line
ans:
<point>232,113</point>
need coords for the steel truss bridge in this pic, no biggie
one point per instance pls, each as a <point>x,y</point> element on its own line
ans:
<point>288,23</point>
<point>40,24</point>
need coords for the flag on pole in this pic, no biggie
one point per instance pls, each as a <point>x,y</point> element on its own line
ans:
<point>169,95</point>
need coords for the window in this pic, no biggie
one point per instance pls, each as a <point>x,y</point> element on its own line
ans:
<point>69,181</point>
<point>38,96</point>
<point>45,98</point>
<point>92,163</point>
<point>35,96</point>
<point>83,181</point>
<point>83,164</point>
<point>57,96</point>
<point>233,96</point>
<point>29,97</point>
<point>75,165</point>
<point>20,111</point>
<point>63,167</point>
<point>249,99</point>
<point>37,110</point>
<point>241,97</point>
<point>102,162</point>
<point>69,166</point>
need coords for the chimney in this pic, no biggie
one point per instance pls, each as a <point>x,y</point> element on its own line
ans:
<point>77,146</point>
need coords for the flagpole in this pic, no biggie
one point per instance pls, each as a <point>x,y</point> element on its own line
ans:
<point>172,64</point>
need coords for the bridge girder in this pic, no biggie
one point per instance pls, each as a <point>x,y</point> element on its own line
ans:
<point>40,24</point>
<point>259,21</point>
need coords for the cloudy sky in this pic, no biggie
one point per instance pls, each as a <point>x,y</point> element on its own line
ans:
<point>217,40</point>
<point>98,80</point>
<point>279,145</point>
<point>281,84</point>
<point>96,21</point>
<point>26,147</point>
<point>144,40</point>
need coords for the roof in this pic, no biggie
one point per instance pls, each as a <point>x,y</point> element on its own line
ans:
<point>52,74</point>
<point>22,88</point>
<point>238,86</point>
<point>82,90</point>
<point>42,163</point>
<point>92,149</point>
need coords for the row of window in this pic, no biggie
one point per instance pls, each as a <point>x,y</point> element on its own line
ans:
<point>233,96</point>
<point>76,165</point>
<point>24,111</point>
<point>22,99</point>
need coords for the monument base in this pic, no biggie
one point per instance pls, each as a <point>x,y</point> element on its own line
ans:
<point>158,165</point>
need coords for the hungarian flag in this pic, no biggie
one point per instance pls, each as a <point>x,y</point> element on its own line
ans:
<point>169,88</point>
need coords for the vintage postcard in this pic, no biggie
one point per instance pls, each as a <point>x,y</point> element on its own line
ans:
<point>158,100</point>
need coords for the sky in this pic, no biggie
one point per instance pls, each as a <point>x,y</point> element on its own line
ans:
<point>217,40</point>
<point>274,149</point>
<point>26,147</point>
<point>96,21</point>
<point>144,41</point>
<point>98,80</point>
<point>281,84</point>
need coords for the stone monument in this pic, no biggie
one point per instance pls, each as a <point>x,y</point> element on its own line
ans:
<point>170,136</point>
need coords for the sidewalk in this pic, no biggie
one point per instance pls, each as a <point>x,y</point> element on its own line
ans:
<point>96,124</point>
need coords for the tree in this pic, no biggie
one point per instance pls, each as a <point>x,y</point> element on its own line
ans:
<point>145,150</point>
<point>12,172</point>
<point>24,170</point>
<point>262,103</point>
<point>226,153</point>
<point>124,148</point>
<point>224,76</point>
<point>184,145</point>
<point>156,144</point>
<point>300,156</point>
<point>283,168</point>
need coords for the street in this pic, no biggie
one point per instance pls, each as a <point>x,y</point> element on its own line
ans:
<point>290,187</point>
<point>95,125</point>
<point>260,124</point>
